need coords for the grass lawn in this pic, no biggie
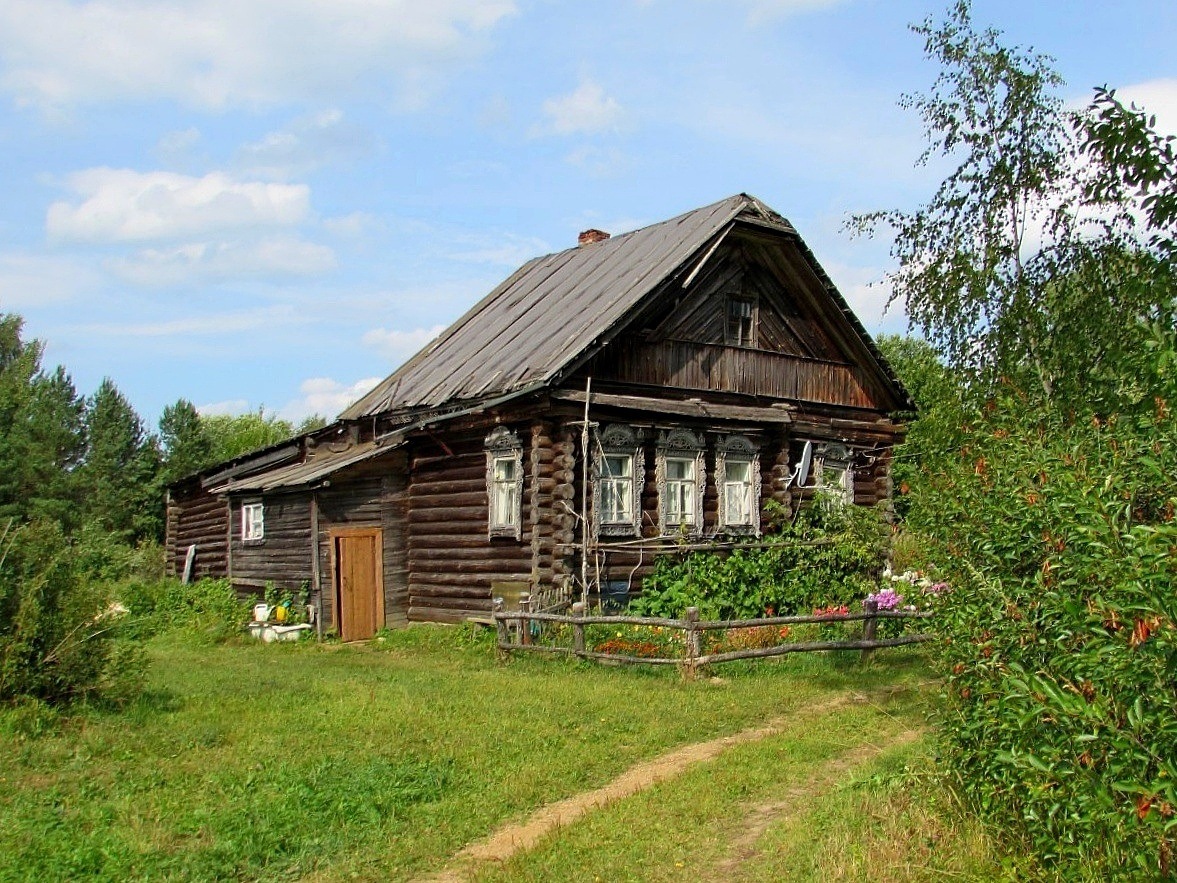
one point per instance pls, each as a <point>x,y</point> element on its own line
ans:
<point>380,762</point>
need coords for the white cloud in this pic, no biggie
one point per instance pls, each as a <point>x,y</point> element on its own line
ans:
<point>867,290</point>
<point>220,53</point>
<point>123,205</point>
<point>212,261</point>
<point>228,408</point>
<point>203,323</point>
<point>600,162</point>
<point>584,111</point>
<point>325,397</point>
<point>396,345</point>
<point>1158,98</point>
<point>350,225</point>
<point>308,143</point>
<point>506,250</point>
<point>33,281</point>
<point>760,11</point>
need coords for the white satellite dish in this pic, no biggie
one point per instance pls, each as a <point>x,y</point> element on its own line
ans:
<point>802,474</point>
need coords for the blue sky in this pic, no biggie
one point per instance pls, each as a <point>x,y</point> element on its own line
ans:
<point>275,202</point>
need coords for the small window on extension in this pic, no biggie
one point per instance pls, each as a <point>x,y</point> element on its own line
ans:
<point>253,522</point>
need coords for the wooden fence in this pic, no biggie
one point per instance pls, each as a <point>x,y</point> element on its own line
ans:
<point>519,630</point>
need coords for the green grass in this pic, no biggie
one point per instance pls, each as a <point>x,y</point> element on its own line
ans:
<point>246,761</point>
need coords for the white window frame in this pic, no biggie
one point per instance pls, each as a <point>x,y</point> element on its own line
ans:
<point>836,473</point>
<point>253,522</point>
<point>504,496</point>
<point>681,446</point>
<point>625,444</point>
<point>739,449</point>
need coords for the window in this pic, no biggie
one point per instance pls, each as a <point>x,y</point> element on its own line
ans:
<point>680,478</point>
<point>740,328</point>
<point>836,474</point>
<point>253,521</point>
<point>504,496</point>
<point>680,491</point>
<point>618,474</point>
<point>737,493</point>
<point>616,489</point>
<point>737,478</point>
<point>504,484</point>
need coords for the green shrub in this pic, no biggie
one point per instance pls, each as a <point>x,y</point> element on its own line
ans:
<point>828,555</point>
<point>206,611</point>
<point>58,631</point>
<point>1060,632</point>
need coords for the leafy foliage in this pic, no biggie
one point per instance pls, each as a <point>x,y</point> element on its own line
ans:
<point>1060,637</point>
<point>119,474</point>
<point>206,611</point>
<point>828,554</point>
<point>232,435</point>
<point>42,435</point>
<point>1045,491</point>
<point>58,632</point>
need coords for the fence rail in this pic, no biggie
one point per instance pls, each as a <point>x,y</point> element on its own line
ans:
<point>522,638</point>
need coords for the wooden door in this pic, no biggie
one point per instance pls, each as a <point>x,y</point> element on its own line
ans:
<point>359,582</point>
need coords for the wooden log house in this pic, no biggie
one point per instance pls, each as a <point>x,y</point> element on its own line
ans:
<point>599,404</point>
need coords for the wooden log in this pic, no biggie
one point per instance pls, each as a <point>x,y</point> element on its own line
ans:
<point>443,514</point>
<point>578,645</point>
<point>871,607</point>
<point>501,631</point>
<point>693,642</point>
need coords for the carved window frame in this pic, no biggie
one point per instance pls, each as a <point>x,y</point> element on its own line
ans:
<point>253,522</point>
<point>834,459</point>
<point>681,444</point>
<point>618,440</point>
<point>738,449</point>
<point>504,446</point>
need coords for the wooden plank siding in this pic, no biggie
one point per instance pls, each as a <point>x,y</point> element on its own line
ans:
<point>283,555</point>
<point>690,365</point>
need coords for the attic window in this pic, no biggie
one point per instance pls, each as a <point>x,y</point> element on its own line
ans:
<point>740,328</point>
<point>504,484</point>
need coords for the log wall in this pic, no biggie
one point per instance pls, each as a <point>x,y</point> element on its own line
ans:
<point>197,518</point>
<point>451,560</point>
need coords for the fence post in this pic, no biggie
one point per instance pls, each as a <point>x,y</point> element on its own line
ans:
<point>870,625</point>
<point>578,628</point>
<point>501,633</point>
<point>693,642</point>
<point>525,623</point>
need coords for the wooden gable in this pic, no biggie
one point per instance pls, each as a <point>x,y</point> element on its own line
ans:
<point>801,346</point>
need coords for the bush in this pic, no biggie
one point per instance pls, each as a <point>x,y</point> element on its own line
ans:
<point>1060,633</point>
<point>206,611</point>
<point>828,554</point>
<point>58,632</point>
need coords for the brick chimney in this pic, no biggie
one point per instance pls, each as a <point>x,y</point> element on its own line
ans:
<point>588,237</point>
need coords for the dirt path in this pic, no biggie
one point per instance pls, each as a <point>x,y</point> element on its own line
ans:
<point>796,801</point>
<point>514,838</point>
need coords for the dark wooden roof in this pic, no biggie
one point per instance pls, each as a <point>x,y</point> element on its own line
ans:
<point>557,309</point>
